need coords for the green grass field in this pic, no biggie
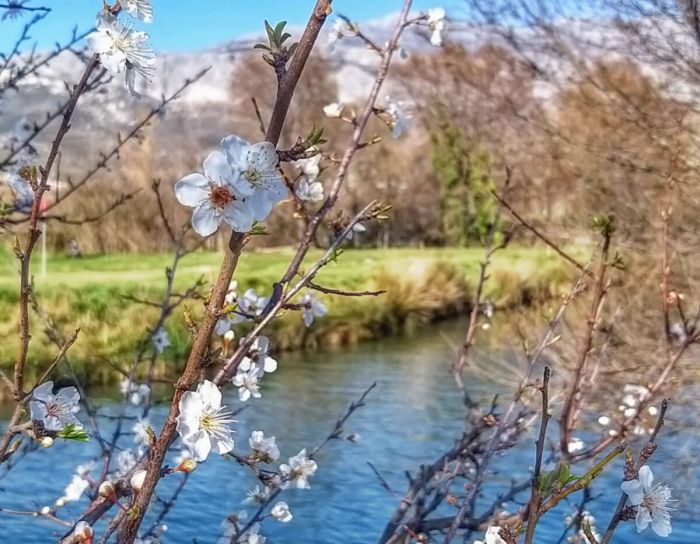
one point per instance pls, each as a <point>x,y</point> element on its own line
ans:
<point>421,284</point>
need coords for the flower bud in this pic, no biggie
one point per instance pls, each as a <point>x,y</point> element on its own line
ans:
<point>84,532</point>
<point>45,511</point>
<point>46,442</point>
<point>107,491</point>
<point>229,336</point>
<point>137,480</point>
<point>187,466</point>
<point>60,502</point>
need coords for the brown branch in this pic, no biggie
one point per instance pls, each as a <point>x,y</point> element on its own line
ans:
<point>343,293</point>
<point>230,261</point>
<point>535,499</point>
<point>568,258</point>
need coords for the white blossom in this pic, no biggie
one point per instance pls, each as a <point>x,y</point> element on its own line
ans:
<point>253,536</point>
<point>311,307</point>
<point>247,382</point>
<point>251,303</point>
<point>651,502</point>
<point>264,449</point>
<point>334,110</point>
<point>223,325</point>
<point>75,489</point>
<point>55,411</point>
<point>604,420</point>
<point>126,460</point>
<point>258,356</point>
<point>257,495</point>
<point>216,196</point>
<point>260,181</point>
<point>298,470</point>
<point>160,340</point>
<point>141,9</point>
<point>401,117</point>
<point>136,393</point>
<point>229,526</point>
<point>492,536</point>
<point>436,22</point>
<point>141,432</point>
<point>281,512</point>
<point>123,49</point>
<point>309,191</point>
<point>203,422</point>
<point>310,167</point>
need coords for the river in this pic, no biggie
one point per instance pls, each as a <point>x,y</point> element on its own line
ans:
<point>413,414</point>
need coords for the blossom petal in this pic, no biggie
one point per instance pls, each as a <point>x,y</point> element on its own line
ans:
<point>69,395</point>
<point>199,445</point>
<point>643,519</point>
<point>236,150</point>
<point>260,204</point>
<point>210,394</point>
<point>634,491</point>
<point>661,523</point>
<point>217,168</point>
<point>222,443</point>
<point>205,220</point>
<point>99,42</point>
<point>239,216</point>
<point>263,156</point>
<point>43,392</point>
<point>192,190</point>
<point>646,477</point>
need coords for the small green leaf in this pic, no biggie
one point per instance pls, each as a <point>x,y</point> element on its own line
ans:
<point>73,432</point>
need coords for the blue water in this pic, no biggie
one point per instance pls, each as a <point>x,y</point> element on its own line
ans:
<point>412,416</point>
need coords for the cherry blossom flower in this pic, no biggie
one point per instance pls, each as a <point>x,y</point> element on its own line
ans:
<point>55,411</point>
<point>251,303</point>
<point>230,526</point>
<point>215,196</point>
<point>247,382</point>
<point>257,495</point>
<point>264,449</point>
<point>136,393</point>
<point>253,536</point>
<point>651,502</point>
<point>141,432</point>
<point>160,340</point>
<point>401,117</point>
<point>298,471</point>
<point>281,512</point>
<point>223,325</point>
<point>141,9</point>
<point>309,191</point>
<point>310,167</point>
<point>75,489</point>
<point>312,307</point>
<point>258,356</point>
<point>604,421</point>
<point>492,536</point>
<point>334,110</point>
<point>203,422</point>
<point>126,460</point>
<point>436,22</point>
<point>260,180</point>
<point>123,49</point>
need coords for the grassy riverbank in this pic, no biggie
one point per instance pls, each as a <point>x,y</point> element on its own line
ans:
<point>94,294</point>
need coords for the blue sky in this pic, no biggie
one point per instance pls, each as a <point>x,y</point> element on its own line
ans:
<point>182,25</point>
